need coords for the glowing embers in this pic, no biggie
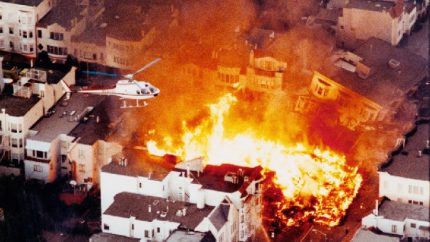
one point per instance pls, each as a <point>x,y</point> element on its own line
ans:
<point>316,184</point>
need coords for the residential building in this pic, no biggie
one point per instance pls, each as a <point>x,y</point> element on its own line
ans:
<point>405,178</point>
<point>405,220</point>
<point>410,16</point>
<point>71,141</point>
<point>361,20</point>
<point>18,20</point>
<point>224,200</point>
<point>23,102</point>
<point>55,29</point>
<point>366,85</point>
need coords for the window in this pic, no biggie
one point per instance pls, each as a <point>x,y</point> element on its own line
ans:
<point>146,234</point>
<point>31,48</point>
<point>24,34</point>
<point>394,228</point>
<point>1,30</point>
<point>10,30</point>
<point>105,227</point>
<point>11,45</point>
<point>56,36</point>
<point>57,50</point>
<point>158,229</point>
<point>30,34</point>
<point>39,154</point>
<point>39,33</point>
<point>421,203</point>
<point>132,226</point>
<point>14,142</point>
<point>413,225</point>
<point>37,168</point>
<point>81,167</point>
<point>140,185</point>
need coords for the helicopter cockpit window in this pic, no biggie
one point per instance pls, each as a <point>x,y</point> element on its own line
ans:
<point>137,91</point>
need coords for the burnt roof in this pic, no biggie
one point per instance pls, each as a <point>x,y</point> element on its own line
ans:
<point>17,106</point>
<point>63,14</point>
<point>407,163</point>
<point>220,216</point>
<point>400,211</point>
<point>25,2</point>
<point>212,177</point>
<point>383,82</point>
<point>129,204</point>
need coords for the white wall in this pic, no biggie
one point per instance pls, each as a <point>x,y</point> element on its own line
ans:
<point>397,189</point>
<point>112,184</point>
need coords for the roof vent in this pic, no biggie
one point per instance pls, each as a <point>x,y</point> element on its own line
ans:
<point>393,63</point>
<point>378,5</point>
<point>163,214</point>
<point>420,153</point>
<point>428,144</point>
<point>179,213</point>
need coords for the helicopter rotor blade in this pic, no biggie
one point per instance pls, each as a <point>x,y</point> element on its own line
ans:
<point>130,76</point>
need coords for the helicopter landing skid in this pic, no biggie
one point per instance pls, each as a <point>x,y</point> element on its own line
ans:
<point>138,105</point>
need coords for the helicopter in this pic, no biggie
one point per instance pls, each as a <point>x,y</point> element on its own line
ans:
<point>127,88</point>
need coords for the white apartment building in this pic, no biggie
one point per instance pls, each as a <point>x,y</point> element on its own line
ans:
<point>224,200</point>
<point>69,142</point>
<point>406,177</point>
<point>18,24</point>
<point>31,97</point>
<point>405,220</point>
<point>361,20</point>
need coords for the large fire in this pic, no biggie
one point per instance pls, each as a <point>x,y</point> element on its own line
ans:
<point>316,181</point>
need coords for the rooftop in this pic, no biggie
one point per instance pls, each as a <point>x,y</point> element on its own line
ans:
<point>106,237</point>
<point>63,14</point>
<point>365,235</point>
<point>212,177</point>
<point>24,2</point>
<point>135,168</point>
<point>220,216</point>
<point>129,204</point>
<point>384,82</point>
<point>190,236</point>
<point>408,163</point>
<point>17,106</point>
<point>65,116</point>
<point>400,211</point>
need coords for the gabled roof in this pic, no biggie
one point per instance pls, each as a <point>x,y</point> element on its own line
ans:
<point>63,14</point>
<point>220,216</point>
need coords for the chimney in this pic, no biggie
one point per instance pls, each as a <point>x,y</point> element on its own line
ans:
<point>428,144</point>
<point>97,119</point>
<point>420,153</point>
<point>149,208</point>
<point>376,207</point>
<point>184,211</point>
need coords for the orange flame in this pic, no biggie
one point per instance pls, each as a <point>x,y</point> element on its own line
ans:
<point>311,178</point>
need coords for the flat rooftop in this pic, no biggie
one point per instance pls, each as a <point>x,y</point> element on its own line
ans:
<point>400,211</point>
<point>190,236</point>
<point>365,235</point>
<point>64,117</point>
<point>212,177</point>
<point>408,163</point>
<point>17,106</point>
<point>106,237</point>
<point>143,167</point>
<point>127,204</point>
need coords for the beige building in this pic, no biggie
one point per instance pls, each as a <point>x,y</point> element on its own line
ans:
<point>361,20</point>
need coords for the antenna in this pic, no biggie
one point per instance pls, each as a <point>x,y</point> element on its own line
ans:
<point>131,75</point>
